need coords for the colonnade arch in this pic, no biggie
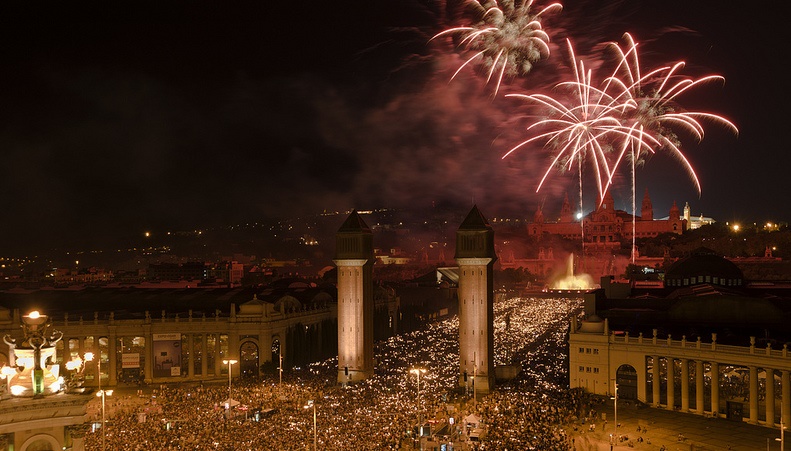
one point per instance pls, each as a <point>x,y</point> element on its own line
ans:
<point>626,378</point>
<point>249,359</point>
<point>41,442</point>
<point>736,391</point>
<point>745,383</point>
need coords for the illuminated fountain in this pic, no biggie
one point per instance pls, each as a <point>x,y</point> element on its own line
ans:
<point>571,281</point>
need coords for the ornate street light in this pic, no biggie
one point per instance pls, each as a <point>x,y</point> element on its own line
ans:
<point>417,372</point>
<point>103,394</point>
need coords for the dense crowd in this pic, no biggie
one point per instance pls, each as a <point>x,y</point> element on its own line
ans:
<point>380,413</point>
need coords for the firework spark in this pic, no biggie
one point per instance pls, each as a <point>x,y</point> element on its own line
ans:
<point>507,39</point>
<point>652,112</point>
<point>628,115</point>
<point>580,125</point>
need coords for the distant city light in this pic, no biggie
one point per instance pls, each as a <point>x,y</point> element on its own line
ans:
<point>147,234</point>
<point>735,227</point>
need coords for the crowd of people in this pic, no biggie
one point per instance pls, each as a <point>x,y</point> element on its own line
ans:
<point>381,412</point>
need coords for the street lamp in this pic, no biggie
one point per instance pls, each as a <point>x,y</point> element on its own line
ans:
<point>229,362</point>
<point>474,393</point>
<point>615,408</point>
<point>280,368</point>
<point>308,406</point>
<point>417,372</point>
<point>103,394</point>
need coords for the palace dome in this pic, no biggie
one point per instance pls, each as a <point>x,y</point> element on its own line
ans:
<point>703,266</point>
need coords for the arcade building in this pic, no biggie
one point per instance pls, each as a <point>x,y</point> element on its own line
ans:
<point>190,340</point>
<point>707,343</point>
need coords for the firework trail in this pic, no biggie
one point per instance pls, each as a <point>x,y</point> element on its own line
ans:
<point>653,113</point>
<point>507,39</point>
<point>580,128</point>
<point>581,124</point>
<point>628,115</point>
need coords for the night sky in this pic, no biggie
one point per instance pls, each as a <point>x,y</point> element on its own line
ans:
<point>123,117</point>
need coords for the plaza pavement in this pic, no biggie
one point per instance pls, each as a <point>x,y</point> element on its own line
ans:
<point>663,428</point>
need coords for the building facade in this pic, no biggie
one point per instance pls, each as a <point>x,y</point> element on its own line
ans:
<point>660,346</point>
<point>682,375</point>
<point>606,227</point>
<point>183,347</point>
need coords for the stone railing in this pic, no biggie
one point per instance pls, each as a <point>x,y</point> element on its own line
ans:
<point>667,347</point>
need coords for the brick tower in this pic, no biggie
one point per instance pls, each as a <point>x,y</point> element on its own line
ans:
<point>354,259</point>
<point>475,256</point>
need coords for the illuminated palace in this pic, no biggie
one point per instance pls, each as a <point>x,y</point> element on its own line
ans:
<point>606,227</point>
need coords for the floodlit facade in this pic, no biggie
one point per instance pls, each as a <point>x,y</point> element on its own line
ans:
<point>354,258</point>
<point>607,226</point>
<point>475,256</point>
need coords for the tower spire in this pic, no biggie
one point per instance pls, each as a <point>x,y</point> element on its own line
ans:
<point>565,210</point>
<point>647,210</point>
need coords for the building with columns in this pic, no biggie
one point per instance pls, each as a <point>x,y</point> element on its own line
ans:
<point>189,341</point>
<point>705,344</point>
<point>475,256</point>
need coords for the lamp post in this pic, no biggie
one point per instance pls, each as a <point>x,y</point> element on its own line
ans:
<point>280,368</point>
<point>229,362</point>
<point>615,408</point>
<point>474,393</point>
<point>103,394</point>
<point>417,372</point>
<point>315,437</point>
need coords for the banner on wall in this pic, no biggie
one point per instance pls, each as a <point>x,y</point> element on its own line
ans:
<point>130,360</point>
<point>167,354</point>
